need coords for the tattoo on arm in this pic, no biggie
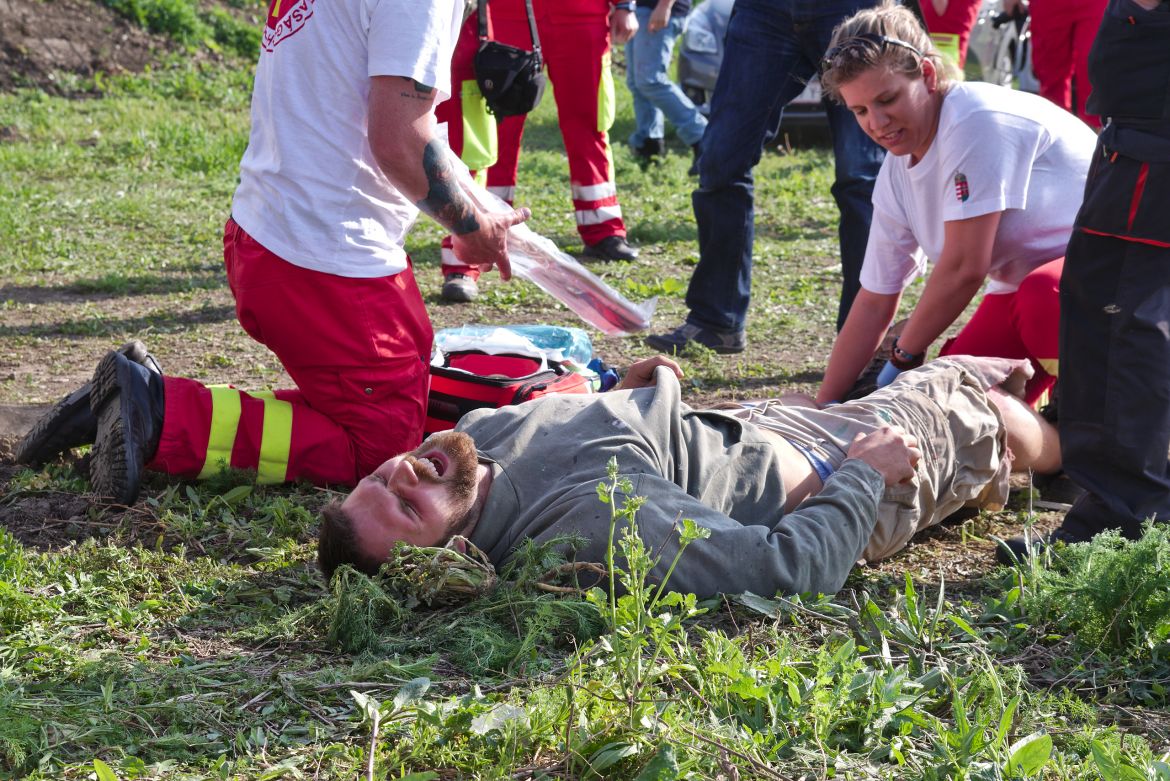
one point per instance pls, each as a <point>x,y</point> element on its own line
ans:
<point>420,92</point>
<point>444,201</point>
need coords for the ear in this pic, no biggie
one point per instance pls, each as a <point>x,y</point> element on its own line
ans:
<point>929,74</point>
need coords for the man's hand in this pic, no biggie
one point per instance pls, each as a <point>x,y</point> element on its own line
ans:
<point>641,373</point>
<point>488,244</point>
<point>622,26</point>
<point>660,16</point>
<point>890,450</point>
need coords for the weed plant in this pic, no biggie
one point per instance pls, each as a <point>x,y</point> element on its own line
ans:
<point>1106,604</point>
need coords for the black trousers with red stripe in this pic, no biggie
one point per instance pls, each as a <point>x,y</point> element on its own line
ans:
<point>1115,347</point>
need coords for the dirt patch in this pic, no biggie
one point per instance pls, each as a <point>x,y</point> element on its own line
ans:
<point>41,40</point>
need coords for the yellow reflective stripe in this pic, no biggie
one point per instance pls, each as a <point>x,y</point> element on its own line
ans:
<point>947,45</point>
<point>606,98</point>
<point>276,439</point>
<point>225,420</point>
<point>480,147</point>
<point>1050,365</point>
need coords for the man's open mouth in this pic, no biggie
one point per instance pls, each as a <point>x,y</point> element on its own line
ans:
<point>435,465</point>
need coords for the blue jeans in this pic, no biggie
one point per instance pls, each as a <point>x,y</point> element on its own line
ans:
<point>773,48</point>
<point>656,97</point>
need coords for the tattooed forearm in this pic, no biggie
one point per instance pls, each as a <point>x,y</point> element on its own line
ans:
<point>444,201</point>
<point>420,91</point>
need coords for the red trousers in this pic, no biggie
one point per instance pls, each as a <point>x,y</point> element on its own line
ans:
<point>574,39</point>
<point>958,19</point>
<point>1062,34</point>
<point>358,351</point>
<point>1023,324</point>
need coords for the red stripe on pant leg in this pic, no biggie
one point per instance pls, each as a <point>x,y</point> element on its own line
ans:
<point>1138,189</point>
<point>1134,239</point>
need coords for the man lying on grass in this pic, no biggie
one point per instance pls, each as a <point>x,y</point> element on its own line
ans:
<point>793,495</point>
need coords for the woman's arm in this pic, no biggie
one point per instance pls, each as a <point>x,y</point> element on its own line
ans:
<point>865,327</point>
<point>957,277</point>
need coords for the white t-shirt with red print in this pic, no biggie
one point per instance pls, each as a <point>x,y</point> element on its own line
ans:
<point>310,190</point>
<point>996,149</point>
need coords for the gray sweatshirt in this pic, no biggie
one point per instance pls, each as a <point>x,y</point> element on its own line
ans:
<point>548,457</point>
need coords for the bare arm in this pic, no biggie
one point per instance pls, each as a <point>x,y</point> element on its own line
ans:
<point>957,277</point>
<point>865,327</point>
<point>402,139</point>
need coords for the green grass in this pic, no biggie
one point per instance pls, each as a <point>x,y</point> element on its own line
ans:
<point>192,637</point>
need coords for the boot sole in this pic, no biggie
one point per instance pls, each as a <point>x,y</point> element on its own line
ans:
<point>115,472</point>
<point>55,432</point>
<point>52,434</point>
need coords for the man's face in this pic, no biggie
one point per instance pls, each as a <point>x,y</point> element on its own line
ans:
<point>421,498</point>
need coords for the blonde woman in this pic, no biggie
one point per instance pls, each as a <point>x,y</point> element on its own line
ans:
<point>980,180</point>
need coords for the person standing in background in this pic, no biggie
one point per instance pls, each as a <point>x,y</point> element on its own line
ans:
<point>575,40</point>
<point>656,96</point>
<point>1062,33</point>
<point>773,49</point>
<point>949,23</point>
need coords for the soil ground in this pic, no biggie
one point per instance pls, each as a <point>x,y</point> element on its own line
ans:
<point>42,40</point>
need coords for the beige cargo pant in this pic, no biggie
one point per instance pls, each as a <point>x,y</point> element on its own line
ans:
<point>959,430</point>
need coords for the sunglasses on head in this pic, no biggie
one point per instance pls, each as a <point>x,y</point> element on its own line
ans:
<point>862,41</point>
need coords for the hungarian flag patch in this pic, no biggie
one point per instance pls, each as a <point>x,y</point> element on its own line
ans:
<point>962,190</point>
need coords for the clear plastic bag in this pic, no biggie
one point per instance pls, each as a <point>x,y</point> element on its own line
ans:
<point>557,273</point>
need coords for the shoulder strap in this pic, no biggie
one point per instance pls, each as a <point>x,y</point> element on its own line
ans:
<point>481,10</point>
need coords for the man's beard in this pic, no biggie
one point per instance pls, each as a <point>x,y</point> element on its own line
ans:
<point>460,477</point>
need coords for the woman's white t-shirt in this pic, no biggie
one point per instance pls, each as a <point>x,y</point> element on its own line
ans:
<point>996,149</point>
<point>310,190</point>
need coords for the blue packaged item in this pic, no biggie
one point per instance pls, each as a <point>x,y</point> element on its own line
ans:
<point>556,343</point>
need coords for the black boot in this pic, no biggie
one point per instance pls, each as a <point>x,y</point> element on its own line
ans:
<point>694,169</point>
<point>610,248</point>
<point>70,423</point>
<point>127,400</point>
<point>651,149</point>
